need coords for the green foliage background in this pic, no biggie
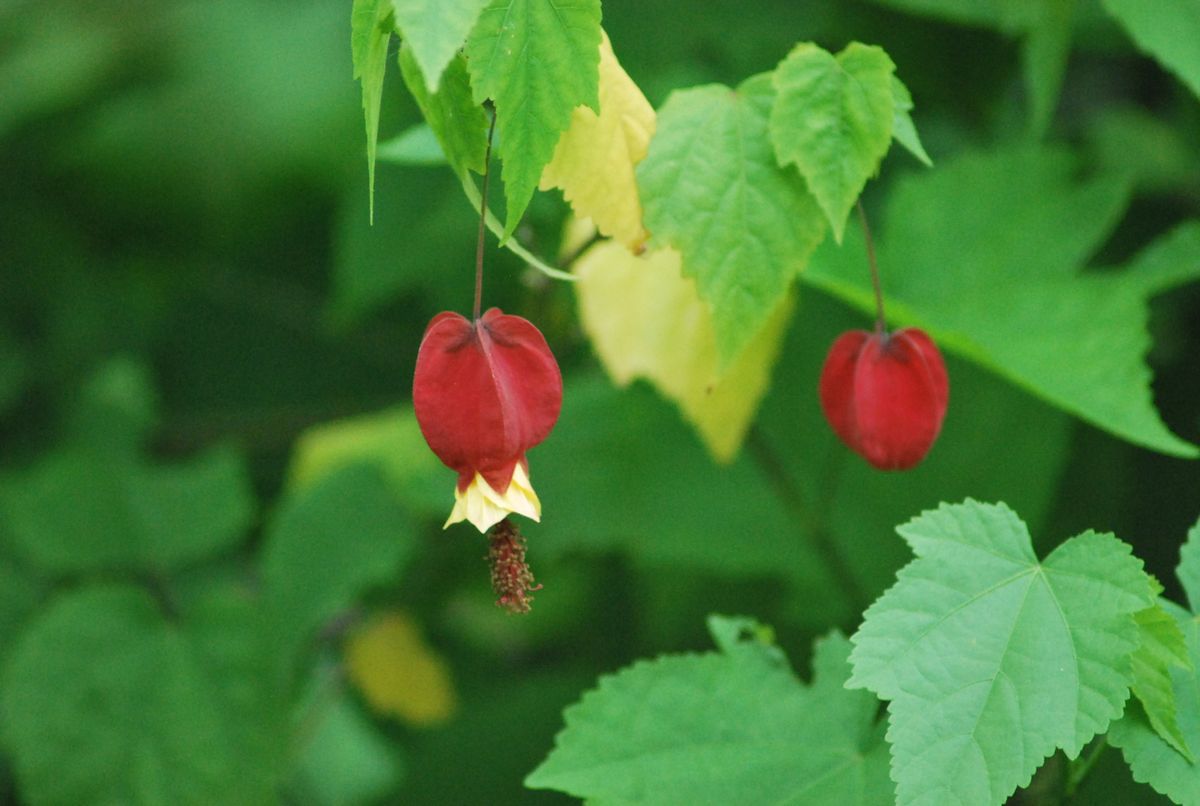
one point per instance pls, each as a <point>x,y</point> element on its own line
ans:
<point>189,284</point>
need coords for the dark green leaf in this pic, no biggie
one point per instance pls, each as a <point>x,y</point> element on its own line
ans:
<point>459,123</point>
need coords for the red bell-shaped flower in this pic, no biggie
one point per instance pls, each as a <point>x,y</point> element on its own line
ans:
<point>885,395</point>
<point>485,392</point>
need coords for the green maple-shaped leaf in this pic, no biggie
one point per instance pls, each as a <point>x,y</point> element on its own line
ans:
<point>435,30</point>
<point>992,659</point>
<point>986,254</point>
<point>459,124</point>
<point>370,30</point>
<point>833,118</point>
<point>1169,30</point>
<point>711,188</point>
<point>728,727</point>
<point>537,60</point>
<point>1151,753</point>
<point>903,128</point>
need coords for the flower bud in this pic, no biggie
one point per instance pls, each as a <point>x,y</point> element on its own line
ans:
<point>885,395</point>
<point>485,392</point>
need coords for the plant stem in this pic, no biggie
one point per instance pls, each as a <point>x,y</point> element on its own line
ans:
<point>820,537</point>
<point>487,170</point>
<point>1079,769</point>
<point>880,320</point>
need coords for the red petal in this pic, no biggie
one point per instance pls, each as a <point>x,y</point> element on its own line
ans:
<point>485,392</point>
<point>900,396</point>
<point>837,385</point>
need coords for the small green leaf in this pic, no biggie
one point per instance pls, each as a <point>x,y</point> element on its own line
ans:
<point>711,188</point>
<point>661,731</point>
<point>1044,53</point>
<point>459,124</point>
<point>345,759</point>
<point>1153,758</point>
<point>1162,648</point>
<point>103,680</point>
<point>435,30</point>
<point>370,30</point>
<point>76,512</point>
<point>328,543</point>
<point>991,659</point>
<point>537,60</point>
<point>903,128</point>
<point>833,119</point>
<point>1169,30</point>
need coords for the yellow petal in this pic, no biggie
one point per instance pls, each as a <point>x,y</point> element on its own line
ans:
<point>398,673</point>
<point>484,507</point>
<point>595,158</point>
<point>645,319</point>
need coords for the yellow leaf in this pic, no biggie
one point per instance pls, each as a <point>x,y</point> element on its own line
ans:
<point>595,158</point>
<point>398,673</point>
<point>646,320</point>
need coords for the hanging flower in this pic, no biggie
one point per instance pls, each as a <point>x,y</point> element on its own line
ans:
<point>485,392</point>
<point>885,395</point>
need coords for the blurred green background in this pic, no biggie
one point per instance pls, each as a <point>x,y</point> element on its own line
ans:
<point>222,573</point>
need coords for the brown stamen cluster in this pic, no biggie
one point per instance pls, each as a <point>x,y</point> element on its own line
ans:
<point>512,580</point>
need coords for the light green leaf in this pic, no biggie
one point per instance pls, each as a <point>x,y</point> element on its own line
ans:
<point>661,731</point>
<point>1152,758</point>
<point>903,128</point>
<point>328,543</point>
<point>459,123</point>
<point>537,60</point>
<point>103,680</point>
<point>1162,647</point>
<point>1169,30</point>
<point>832,118</point>
<point>992,659</point>
<point>1020,305</point>
<point>345,759</point>
<point>76,511</point>
<point>711,188</point>
<point>435,30</point>
<point>416,145</point>
<point>370,30</point>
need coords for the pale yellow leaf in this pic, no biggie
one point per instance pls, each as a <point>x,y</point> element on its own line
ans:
<point>595,158</point>
<point>398,673</point>
<point>645,320</point>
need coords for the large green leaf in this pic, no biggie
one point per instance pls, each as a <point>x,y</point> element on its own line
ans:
<point>1153,758</point>
<point>104,701</point>
<point>992,659</point>
<point>328,543</point>
<point>459,123</point>
<point>711,188</point>
<point>661,732</point>
<point>537,60</point>
<point>1169,30</point>
<point>77,511</point>
<point>986,252</point>
<point>833,118</point>
<point>370,31</point>
<point>435,30</point>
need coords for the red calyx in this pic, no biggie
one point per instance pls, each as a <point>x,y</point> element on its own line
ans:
<point>485,392</point>
<point>885,395</point>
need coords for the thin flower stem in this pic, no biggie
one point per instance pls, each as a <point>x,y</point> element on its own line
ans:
<point>487,170</point>
<point>880,319</point>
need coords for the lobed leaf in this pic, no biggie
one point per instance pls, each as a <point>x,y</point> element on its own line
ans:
<point>459,124</point>
<point>712,189</point>
<point>370,32</point>
<point>537,60</point>
<point>993,660</point>
<point>734,726</point>
<point>833,118</point>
